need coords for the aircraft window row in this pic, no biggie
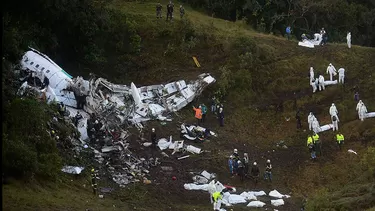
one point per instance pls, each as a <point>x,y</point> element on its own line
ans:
<point>37,66</point>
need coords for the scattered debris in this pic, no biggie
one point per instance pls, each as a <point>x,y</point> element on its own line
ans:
<point>282,145</point>
<point>277,202</point>
<point>352,151</point>
<point>72,169</point>
<point>196,61</point>
<point>183,157</point>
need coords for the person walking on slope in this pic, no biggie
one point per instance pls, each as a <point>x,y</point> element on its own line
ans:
<point>311,146</point>
<point>311,74</point>
<point>341,72</point>
<point>339,139</point>
<point>170,10</point>
<point>240,170</point>
<point>204,112</point>
<point>220,116</point>
<point>93,181</point>
<point>349,39</point>
<point>153,137</point>
<point>217,197</point>
<point>317,144</point>
<point>331,70</point>
<point>333,110</point>
<point>288,31</point>
<point>230,164</point>
<point>158,10</point>
<point>315,125</point>
<point>236,158</point>
<point>182,11</point>
<point>246,163</point>
<point>335,122</point>
<point>321,83</point>
<point>362,111</point>
<point>213,104</point>
<point>359,104</point>
<point>198,114</point>
<point>267,173</point>
<point>255,172</point>
<point>310,120</point>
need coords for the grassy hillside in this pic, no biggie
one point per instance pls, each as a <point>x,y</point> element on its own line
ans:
<point>261,80</point>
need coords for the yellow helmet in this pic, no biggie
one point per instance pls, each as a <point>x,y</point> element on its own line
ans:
<point>92,170</point>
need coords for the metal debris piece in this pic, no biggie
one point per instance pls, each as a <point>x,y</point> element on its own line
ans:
<point>183,157</point>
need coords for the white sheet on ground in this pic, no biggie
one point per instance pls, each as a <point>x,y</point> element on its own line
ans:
<point>193,149</point>
<point>257,193</point>
<point>325,128</point>
<point>192,186</point>
<point>276,194</point>
<point>327,83</point>
<point>277,202</point>
<point>306,43</point>
<point>249,196</point>
<point>236,199</point>
<point>256,204</point>
<point>370,115</point>
<point>72,169</point>
<point>163,143</point>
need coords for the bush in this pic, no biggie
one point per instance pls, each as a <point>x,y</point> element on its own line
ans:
<point>28,149</point>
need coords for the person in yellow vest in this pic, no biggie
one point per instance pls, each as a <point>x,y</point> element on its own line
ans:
<point>311,146</point>
<point>198,114</point>
<point>317,143</point>
<point>217,197</point>
<point>340,139</point>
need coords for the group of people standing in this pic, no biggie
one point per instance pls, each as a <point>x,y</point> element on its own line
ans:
<point>170,8</point>
<point>240,167</point>
<point>216,108</point>
<point>319,82</point>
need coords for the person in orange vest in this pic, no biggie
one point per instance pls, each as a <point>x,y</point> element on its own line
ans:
<point>198,114</point>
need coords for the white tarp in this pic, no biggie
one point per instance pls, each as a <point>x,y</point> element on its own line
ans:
<point>276,194</point>
<point>257,193</point>
<point>325,128</point>
<point>72,169</point>
<point>236,199</point>
<point>256,204</point>
<point>248,196</point>
<point>327,83</point>
<point>163,143</point>
<point>277,202</point>
<point>192,186</point>
<point>370,115</point>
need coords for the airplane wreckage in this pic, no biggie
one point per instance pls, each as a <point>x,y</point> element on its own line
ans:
<point>98,96</point>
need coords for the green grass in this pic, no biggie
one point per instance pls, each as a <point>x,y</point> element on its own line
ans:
<point>278,69</point>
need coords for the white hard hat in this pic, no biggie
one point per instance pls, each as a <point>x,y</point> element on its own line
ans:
<point>255,163</point>
<point>245,154</point>
<point>153,129</point>
<point>239,161</point>
<point>268,161</point>
<point>221,109</point>
<point>96,121</point>
<point>235,150</point>
<point>333,104</point>
<point>330,64</point>
<point>231,156</point>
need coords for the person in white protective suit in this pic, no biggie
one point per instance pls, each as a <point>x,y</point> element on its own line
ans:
<point>359,104</point>
<point>311,74</point>
<point>335,122</point>
<point>331,70</point>
<point>316,126</point>
<point>333,110</point>
<point>362,112</point>
<point>341,72</point>
<point>310,120</point>
<point>349,39</point>
<point>314,85</point>
<point>321,83</point>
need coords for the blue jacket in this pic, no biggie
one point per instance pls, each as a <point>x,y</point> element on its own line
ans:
<point>230,163</point>
<point>288,30</point>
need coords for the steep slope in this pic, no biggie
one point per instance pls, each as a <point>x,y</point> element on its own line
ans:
<point>261,80</point>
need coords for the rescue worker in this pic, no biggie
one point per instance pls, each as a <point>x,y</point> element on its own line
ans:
<point>331,70</point>
<point>241,170</point>
<point>153,137</point>
<point>304,37</point>
<point>53,134</point>
<point>310,120</point>
<point>267,172</point>
<point>236,158</point>
<point>356,96</point>
<point>317,144</point>
<point>77,118</point>
<point>246,163</point>
<point>311,146</point>
<point>220,115</point>
<point>62,109</point>
<point>321,83</point>
<point>315,125</point>
<point>213,104</point>
<point>349,39</point>
<point>298,118</point>
<point>204,112</point>
<point>362,112</point>
<point>158,10</point>
<point>335,122</point>
<point>324,36</point>
<point>339,139</point>
<point>198,114</point>
<point>170,10</point>
<point>288,31</point>
<point>314,85</point>
<point>230,164</point>
<point>182,11</point>
<point>217,197</point>
<point>359,104</point>
<point>341,72</point>
<point>311,74</point>
<point>333,110</point>
<point>93,181</point>
<point>255,172</point>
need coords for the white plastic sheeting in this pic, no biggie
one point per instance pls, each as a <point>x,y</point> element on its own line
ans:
<point>256,204</point>
<point>257,193</point>
<point>327,83</point>
<point>277,202</point>
<point>236,199</point>
<point>276,194</point>
<point>192,186</point>
<point>163,143</point>
<point>193,149</point>
<point>72,169</point>
<point>370,115</point>
<point>325,128</point>
<point>248,196</point>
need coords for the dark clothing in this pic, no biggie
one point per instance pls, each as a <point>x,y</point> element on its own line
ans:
<point>153,138</point>
<point>77,118</point>
<point>220,115</point>
<point>298,117</point>
<point>255,171</point>
<point>170,11</point>
<point>241,171</point>
<point>182,12</point>
<point>158,7</point>
<point>93,183</point>
<point>356,97</point>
